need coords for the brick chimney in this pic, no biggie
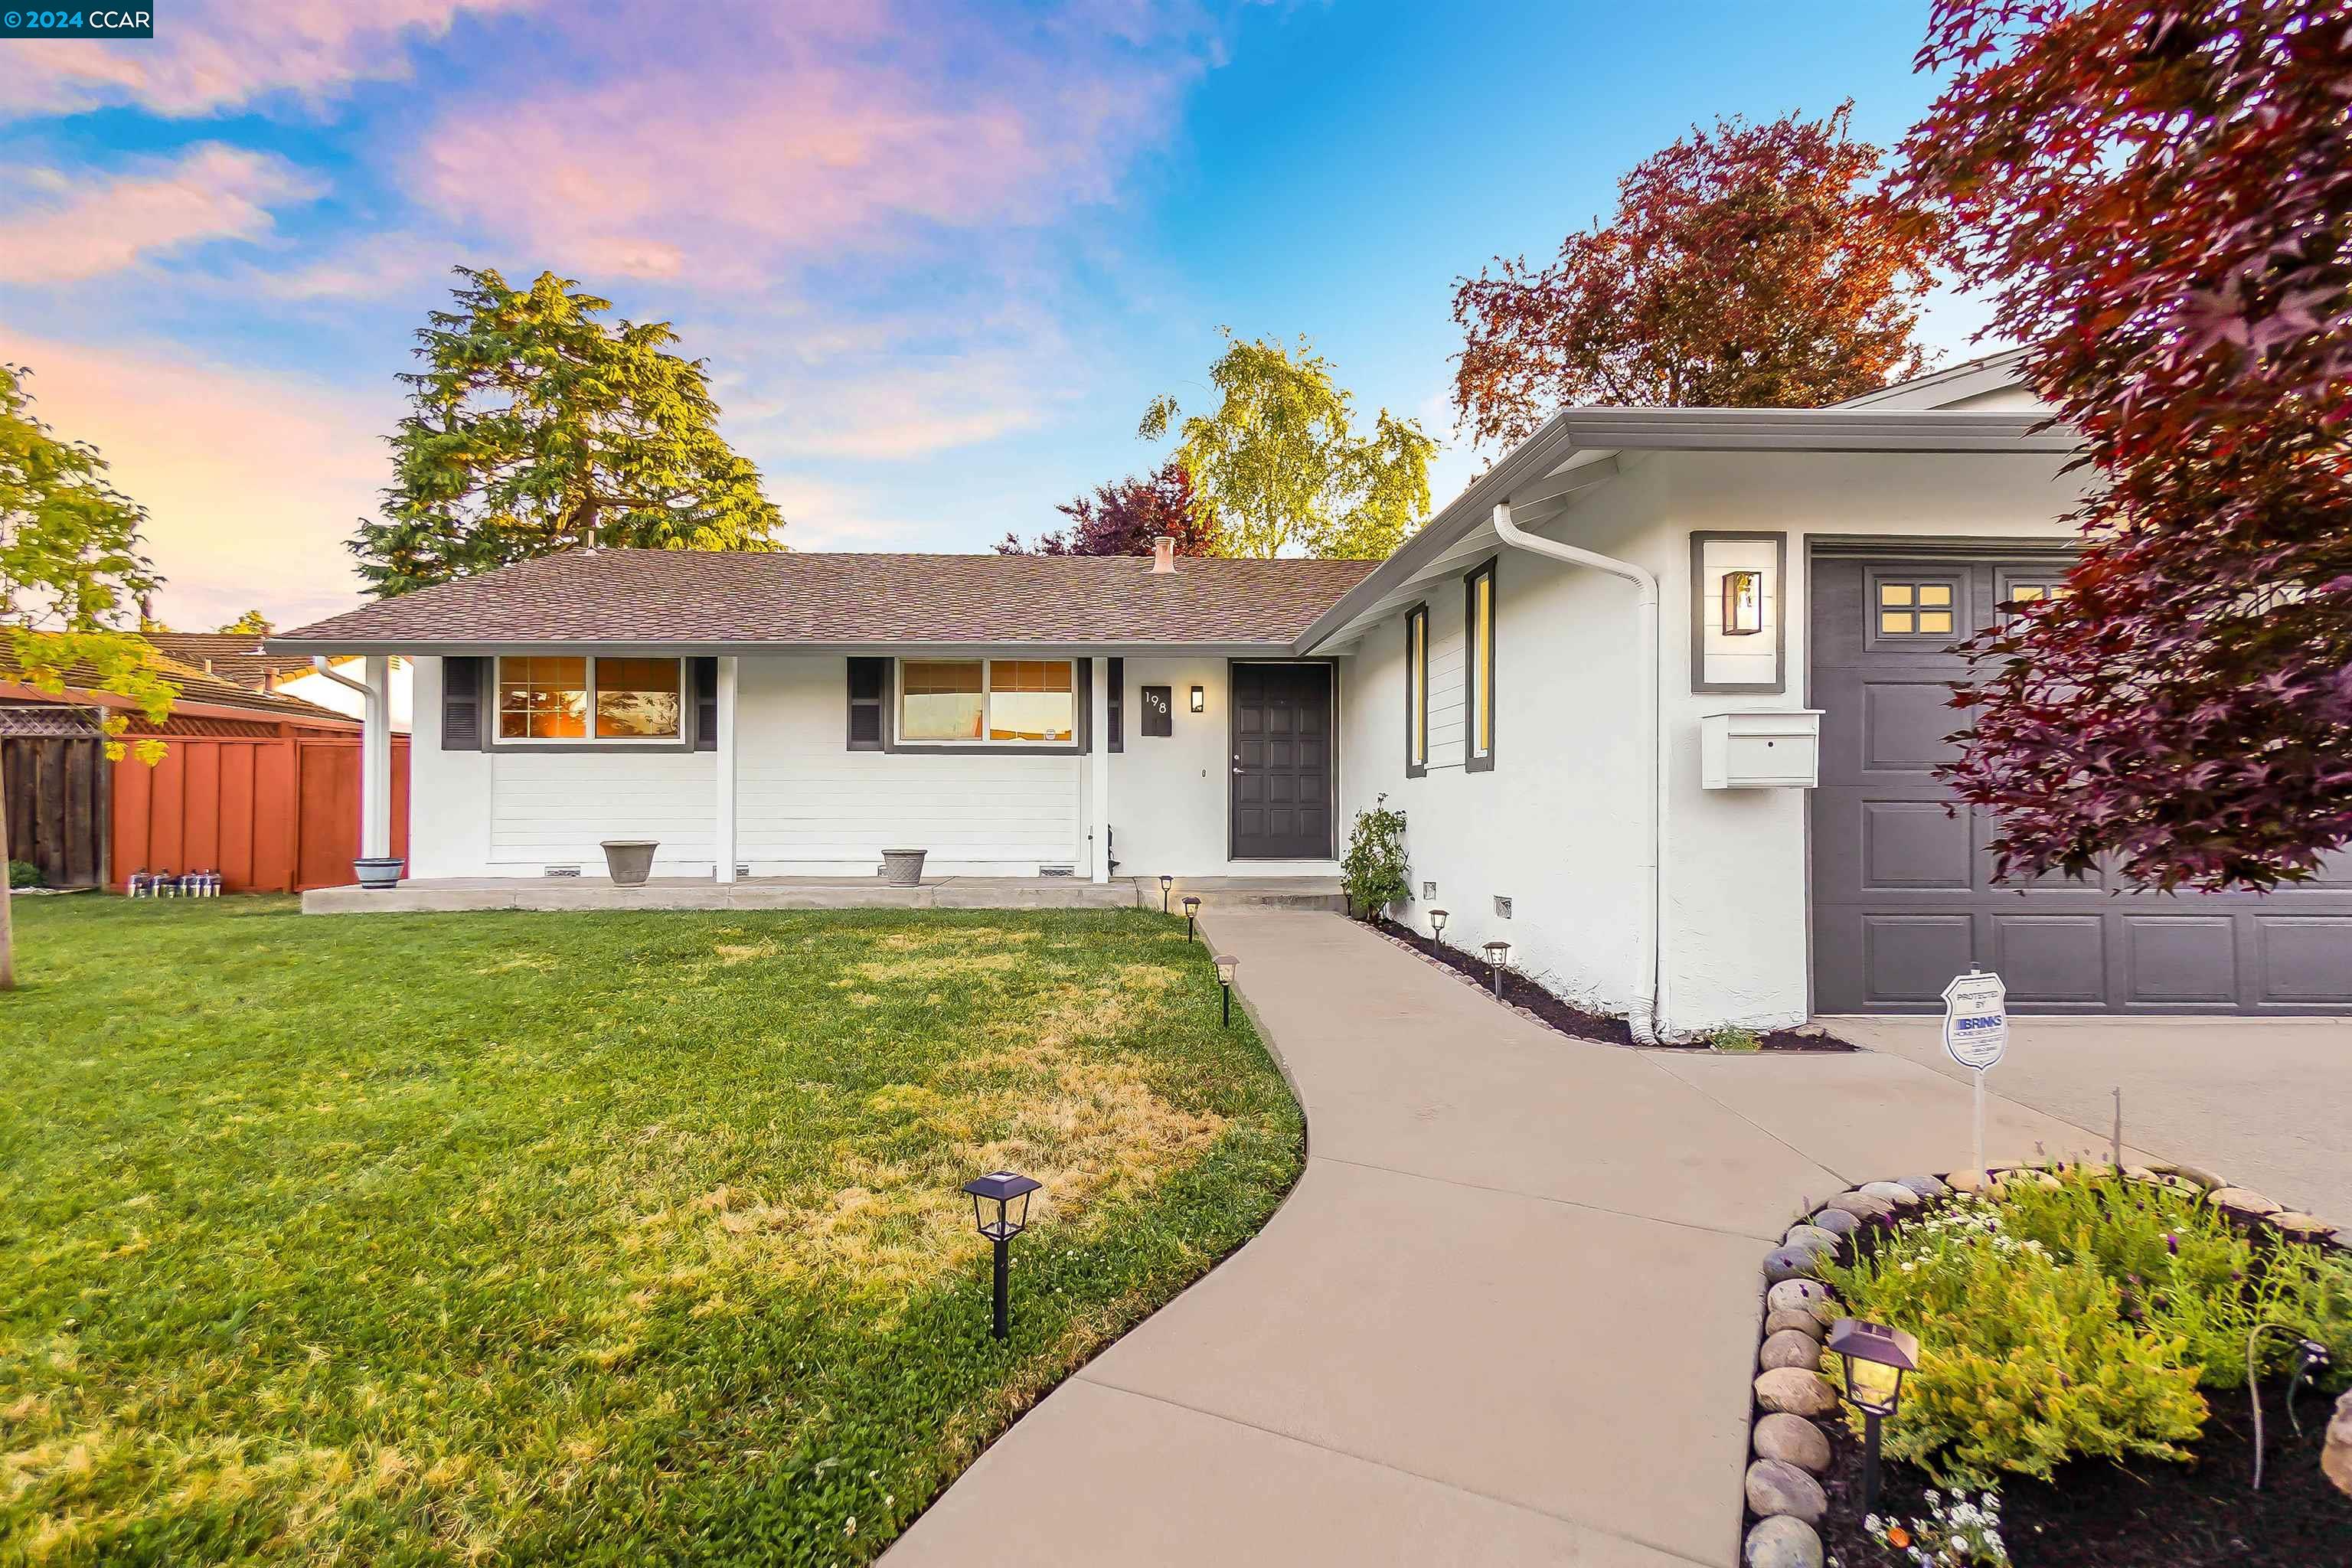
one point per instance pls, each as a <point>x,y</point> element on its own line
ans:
<point>1164,554</point>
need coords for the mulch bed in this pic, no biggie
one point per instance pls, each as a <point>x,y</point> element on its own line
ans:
<point>1568,1019</point>
<point>2151,1513</point>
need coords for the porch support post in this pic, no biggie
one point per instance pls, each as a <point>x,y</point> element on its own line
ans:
<point>723,822</point>
<point>375,761</point>
<point>1098,768</point>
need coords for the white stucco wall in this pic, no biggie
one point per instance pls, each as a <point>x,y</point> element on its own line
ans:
<point>1556,825</point>
<point>808,805</point>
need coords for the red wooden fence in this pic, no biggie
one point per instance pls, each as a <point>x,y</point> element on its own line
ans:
<point>273,814</point>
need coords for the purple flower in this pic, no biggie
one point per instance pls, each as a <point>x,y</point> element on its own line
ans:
<point>2173,1243</point>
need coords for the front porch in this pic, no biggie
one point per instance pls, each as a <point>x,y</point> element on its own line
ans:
<point>427,894</point>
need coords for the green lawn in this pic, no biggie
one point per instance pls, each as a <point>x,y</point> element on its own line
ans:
<point>612,1238</point>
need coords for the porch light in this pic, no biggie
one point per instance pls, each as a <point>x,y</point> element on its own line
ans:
<point>1191,913</point>
<point>1437,924</point>
<point>1166,882</point>
<point>1199,700</point>
<point>1875,1358</point>
<point>1225,967</point>
<point>999,1208</point>
<point>1497,955</point>
<point>1743,603</point>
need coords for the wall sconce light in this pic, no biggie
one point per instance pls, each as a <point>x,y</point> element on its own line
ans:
<point>1743,603</point>
<point>1225,967</point>
<point>1199,700</point>
<point>1191,913</point>
<point>999,1208</point>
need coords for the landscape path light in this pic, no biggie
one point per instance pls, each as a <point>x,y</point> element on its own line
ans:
<point>999,1208</point>
<point>1226,964</point>
<point>1437,926</point>
<point>1191,913</point>
<point>1166,882</point>
<point>1875,1358</point>
<point>1498,953</point>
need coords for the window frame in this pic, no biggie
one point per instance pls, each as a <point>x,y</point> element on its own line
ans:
<point>1081,709</point>
<point>1479,665</point>
<point>591,741</point>
<point>2008,579</point>
<point>1877,578</point>
<point>1416,692</point>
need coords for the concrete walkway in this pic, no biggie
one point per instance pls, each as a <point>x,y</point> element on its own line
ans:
<point>1507,1317</point>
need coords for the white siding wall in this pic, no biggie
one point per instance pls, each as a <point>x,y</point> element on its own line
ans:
<point>556,808</point>
<point>808,807</point>
<point>1556,824</point>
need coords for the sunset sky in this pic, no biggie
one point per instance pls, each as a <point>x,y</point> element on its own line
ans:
<point>937,256</point>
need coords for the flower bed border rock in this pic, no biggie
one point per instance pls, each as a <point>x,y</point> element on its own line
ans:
<point>1788,1450</point>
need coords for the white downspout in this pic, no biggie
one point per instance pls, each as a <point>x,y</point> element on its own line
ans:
<point>1649,989</point>
<point>376,751</point>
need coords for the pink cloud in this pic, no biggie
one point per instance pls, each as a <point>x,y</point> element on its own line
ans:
<point>251,481</point>
<point>794,144</point>
<point>216,55</point>
<point>212,192</point>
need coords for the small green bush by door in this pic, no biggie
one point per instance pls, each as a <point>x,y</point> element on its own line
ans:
<point>1375,873</point>
<point>24,874</point>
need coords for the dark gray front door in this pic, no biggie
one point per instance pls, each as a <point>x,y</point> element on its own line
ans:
<point>1903,893</point>
<point>1282,762</point>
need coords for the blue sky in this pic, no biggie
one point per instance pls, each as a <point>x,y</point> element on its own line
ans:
<point>937,256</point>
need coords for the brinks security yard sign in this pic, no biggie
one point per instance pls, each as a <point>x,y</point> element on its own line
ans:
<point>1976,1033</point>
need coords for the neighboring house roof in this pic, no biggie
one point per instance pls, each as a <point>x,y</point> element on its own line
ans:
<point>215,696</point>
<point>696,600</point>
<point>232,655</point>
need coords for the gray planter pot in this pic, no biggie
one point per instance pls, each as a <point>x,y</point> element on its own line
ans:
<point>629,860</point>
<point>379,872</point>
<point>903,868</point>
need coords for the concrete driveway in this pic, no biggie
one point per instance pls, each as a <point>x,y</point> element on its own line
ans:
<point>2263,1101</point>
<point>1507,1316</point>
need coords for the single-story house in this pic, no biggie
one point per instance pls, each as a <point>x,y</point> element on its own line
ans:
<point>1659,695</point>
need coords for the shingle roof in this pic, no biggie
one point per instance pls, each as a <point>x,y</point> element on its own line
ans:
<point>651,596</point>
<point>195,685</point>
<point>231,656</point>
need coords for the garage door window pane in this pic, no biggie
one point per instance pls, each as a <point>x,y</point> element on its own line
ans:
<point>1915,609</point>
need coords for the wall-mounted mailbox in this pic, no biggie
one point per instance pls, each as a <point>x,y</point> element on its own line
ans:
<point>1778,749</point>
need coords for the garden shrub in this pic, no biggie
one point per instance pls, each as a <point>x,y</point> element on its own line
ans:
<point>24,874</point>
<point>2026,1361</point>
<point>1375,874</point>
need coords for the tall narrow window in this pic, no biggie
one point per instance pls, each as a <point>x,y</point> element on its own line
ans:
<point>1416,692</point>
<point>1478,666</point>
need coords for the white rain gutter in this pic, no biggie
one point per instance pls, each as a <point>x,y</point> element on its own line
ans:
<point>1649,1008</point>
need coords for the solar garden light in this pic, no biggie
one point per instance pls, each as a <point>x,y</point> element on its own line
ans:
<point>1225,967</point>
<point>1875,1358</point>
<point>1166,882</point>
<point>999,1208</point>
<point>1191,913</point>
<point>1498,953</point>
<point>1437,925</point>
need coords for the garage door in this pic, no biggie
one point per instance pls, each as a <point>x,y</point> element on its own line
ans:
<point>1903,893</point>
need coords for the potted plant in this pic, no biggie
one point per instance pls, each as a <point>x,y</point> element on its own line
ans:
<point>378,871</point>
<point>629,861</point>
<point>903,868</point>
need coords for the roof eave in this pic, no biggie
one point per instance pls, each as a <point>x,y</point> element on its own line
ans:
<point>477,647</point>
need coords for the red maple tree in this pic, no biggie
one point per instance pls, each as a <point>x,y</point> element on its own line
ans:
<point>1124,518</point>
<point>2157,199</point>
<point>1747,266</point>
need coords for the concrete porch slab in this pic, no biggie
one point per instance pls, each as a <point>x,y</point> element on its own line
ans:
<point>436,895</point>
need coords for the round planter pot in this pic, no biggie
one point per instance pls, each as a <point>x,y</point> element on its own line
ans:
<point>629,860</point>
<point>903,868</point>
<point>378,872</point>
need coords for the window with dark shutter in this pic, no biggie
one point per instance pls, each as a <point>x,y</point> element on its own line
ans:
<point>1118,690</point>
<point>869,680</point>
<point>461,704</point>
<point>705,704</point>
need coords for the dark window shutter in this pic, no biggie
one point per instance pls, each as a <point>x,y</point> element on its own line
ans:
<point>464,726</point>
<point>1118,690</point>
<point>868,678</point>
<point>705,703</point>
